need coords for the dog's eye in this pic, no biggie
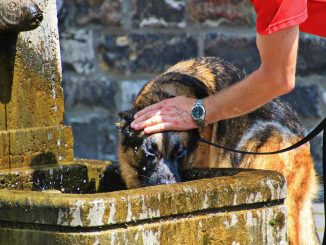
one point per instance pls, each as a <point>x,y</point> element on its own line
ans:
<point>180,154</point>
<point>150,150</point>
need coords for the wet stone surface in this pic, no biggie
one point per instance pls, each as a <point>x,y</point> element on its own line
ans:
<point>305,100</point>
<point>136,52</point>
<point>91,91</point>
<point>311,56</point>
<point>77,51</point>
<point>95,136</point>
<point>129,89</point>
<point>217,12</point>
<point>239,50</point>
<point>69,199</point>
<point>231,188</point>
<point>165,13</point>
<point>98,11</point>
<point>80,178</point>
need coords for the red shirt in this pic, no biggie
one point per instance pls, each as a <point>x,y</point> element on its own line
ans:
<point>275,15</point>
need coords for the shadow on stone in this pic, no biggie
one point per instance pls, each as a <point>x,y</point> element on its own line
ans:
<point>44,158</point>
<point>111,180</point>
<point>72,179</point>
<point>7,62</point>
<point>203,173</point>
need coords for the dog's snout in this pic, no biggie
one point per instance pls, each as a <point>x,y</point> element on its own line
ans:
<point>167,178</point>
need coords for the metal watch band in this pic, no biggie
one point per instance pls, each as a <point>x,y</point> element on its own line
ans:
<point>200,122</point>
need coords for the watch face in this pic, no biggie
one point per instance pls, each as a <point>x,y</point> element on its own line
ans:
<point>197,112</point>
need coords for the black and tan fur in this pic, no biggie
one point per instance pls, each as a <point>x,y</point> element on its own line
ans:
<point>157,158</point>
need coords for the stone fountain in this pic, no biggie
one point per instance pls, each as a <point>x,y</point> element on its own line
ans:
<point>48,197</point>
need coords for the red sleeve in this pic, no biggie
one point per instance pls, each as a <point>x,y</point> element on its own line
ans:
<point>316,22</point>
<point>275,15</point>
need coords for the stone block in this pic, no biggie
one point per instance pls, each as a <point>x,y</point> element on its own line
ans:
<point>305,100</point>
<point>103,12</point>
<point>85,138</point>
<point>245,207</point>
<point>39,146</point>
<point>95,135</point>
<point>237,49</point>
<point>217,12</point>
<point>165,13</point>
<point>77,51</point>
<point>4,149</point>
<point>144,204</point>
<point>311,56</point>
<point>129,91</point>
<point>90,91</point>
<point>62,12</point>
<point>36,96</point>
<point>146,52</point>
<point>236,227</point>
<point>2,117</point>
<point>108,139</point>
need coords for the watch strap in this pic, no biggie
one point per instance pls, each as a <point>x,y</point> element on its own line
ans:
<point>200,122</point>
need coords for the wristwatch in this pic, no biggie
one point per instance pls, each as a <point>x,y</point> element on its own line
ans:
<point>198,113</point>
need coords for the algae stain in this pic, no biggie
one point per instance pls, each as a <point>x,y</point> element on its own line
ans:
<point>112,213</point>
<point>151,237</point>
<point>251,198</point>
<point>71,216</point>
<point>235,197</point>
<point>75,214</point>
<point>96,213</point>
<point>205,203</point>
<point>97,242</point>
<point>147,212</point>
<point>232,222</point>
<point>258,197</point>
<point>129,212</point>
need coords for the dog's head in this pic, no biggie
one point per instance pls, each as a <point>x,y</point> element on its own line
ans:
<point>156,158</point>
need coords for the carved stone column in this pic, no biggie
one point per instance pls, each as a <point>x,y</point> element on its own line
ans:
<point>31,102</point>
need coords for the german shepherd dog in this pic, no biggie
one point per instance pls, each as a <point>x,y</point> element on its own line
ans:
<point>158,158</point>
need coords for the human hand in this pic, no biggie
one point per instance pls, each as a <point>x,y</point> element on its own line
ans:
<point>169,114</point>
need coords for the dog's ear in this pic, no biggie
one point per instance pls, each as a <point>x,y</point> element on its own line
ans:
<point>126,118</point>
<point>129,135</point>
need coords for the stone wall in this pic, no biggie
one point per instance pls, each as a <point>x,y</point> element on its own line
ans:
<point>110,48</point>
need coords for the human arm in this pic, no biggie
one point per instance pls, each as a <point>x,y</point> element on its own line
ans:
<point>274,77</point>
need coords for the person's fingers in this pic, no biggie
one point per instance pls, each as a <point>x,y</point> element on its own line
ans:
<point>153,107</point>
<point>152,120</point>
<point>159,128</point>
<point>145,118</point>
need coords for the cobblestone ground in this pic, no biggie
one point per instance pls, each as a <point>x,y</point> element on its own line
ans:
<point>319,215</point>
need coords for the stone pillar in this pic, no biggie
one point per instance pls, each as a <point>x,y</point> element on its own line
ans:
<point>31,130</point>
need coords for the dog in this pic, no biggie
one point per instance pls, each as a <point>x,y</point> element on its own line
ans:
<point>158,158</point>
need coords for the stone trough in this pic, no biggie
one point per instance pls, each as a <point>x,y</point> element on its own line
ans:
<point>80,203</point>
<point>47,197</point>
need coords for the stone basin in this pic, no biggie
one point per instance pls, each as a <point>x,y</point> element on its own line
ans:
<point>84,202</point>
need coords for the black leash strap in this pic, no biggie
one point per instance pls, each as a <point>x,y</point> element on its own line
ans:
<point>320,127</point>
<point>310,136</point>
